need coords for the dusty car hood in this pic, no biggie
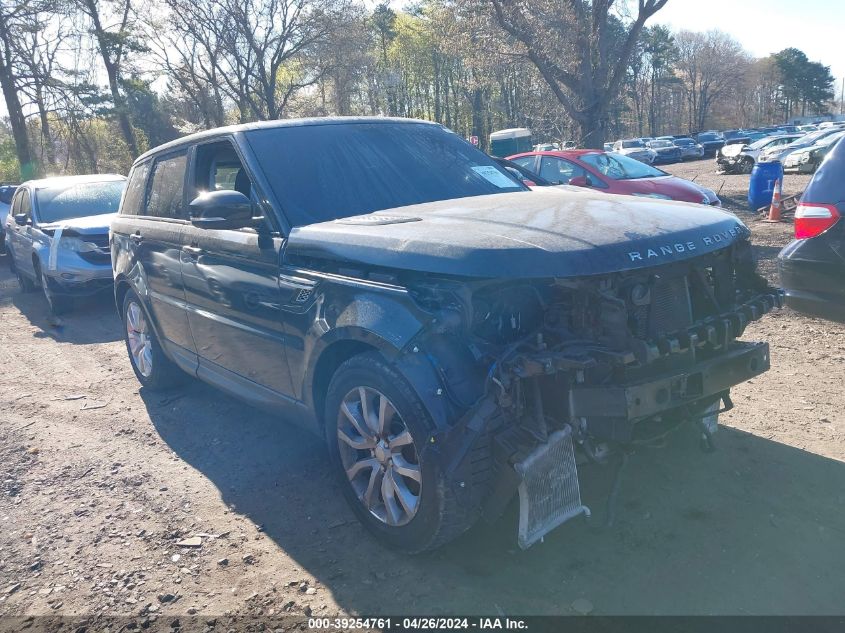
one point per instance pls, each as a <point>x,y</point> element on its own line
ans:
<point>522,235</point>
<point>89,225</point>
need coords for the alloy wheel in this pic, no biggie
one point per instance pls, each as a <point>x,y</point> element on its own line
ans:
<point>138,336</point>
<point>379,456</point>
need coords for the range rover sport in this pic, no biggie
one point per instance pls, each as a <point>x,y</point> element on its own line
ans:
<point>457,338</point>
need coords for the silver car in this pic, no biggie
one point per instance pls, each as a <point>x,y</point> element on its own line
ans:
<point>57,235</point>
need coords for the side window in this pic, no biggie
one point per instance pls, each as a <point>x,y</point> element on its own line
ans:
<point>217,168</point>
<point>26,204</point>
<point>16,203</point>
<point>164,199</point>
<point>525,161</point>
<point>558,171</point>
<point>133,196</point>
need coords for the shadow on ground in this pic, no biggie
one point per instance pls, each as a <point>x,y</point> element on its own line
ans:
<point>92,320</point>
<point>754,528</point>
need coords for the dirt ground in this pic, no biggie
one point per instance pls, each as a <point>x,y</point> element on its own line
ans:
<point>101,481</point>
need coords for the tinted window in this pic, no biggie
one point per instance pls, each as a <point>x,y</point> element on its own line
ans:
<point>684,142</point>
<point>324,172</point>
<point>166,185</point>
<point>632,144</point>
<point>6,194</point>
<point>526,161</point>
<point>559,171</point>
<point>79,200</point>
<point>134,196</point>
<point>708,137</point>
<point>620,167</point>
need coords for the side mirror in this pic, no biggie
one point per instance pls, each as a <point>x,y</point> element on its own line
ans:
<point>224,209</point>
<point>579,181</point>
<point>21,219</point>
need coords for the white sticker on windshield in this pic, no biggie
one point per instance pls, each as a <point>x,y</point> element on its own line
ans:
<point>494,176</point>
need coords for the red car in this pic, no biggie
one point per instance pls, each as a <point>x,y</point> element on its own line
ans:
<point>612,173</point>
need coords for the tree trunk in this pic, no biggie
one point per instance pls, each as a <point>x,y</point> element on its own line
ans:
<point>26,161</point>
<point>46,136</point>
<point>593,127</point>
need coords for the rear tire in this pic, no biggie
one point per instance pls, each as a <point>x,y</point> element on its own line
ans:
<point>746,166</point>
<point>153,369</point>
<point>385,474</point>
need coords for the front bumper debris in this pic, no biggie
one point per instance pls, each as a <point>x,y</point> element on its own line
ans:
<point>657,395</point>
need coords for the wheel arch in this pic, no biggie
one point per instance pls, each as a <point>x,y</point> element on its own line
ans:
<point>328,362</point>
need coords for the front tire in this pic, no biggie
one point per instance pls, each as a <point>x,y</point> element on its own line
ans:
<point>746,166</point>
<point>377,430</point>
<point>57,303</point>
<point>153,369</point>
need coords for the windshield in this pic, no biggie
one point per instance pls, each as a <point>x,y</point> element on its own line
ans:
<point>830,140</point>
<point>325,172</point>
<point>659,144</point>
<point>80,200</point>
<point>619,167</point>
<point>633,143</point>
<point>760,144</point>
<point>708,137</point>
<point>684,142</point>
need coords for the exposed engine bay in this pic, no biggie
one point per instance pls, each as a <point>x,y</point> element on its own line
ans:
<point>544,369</point>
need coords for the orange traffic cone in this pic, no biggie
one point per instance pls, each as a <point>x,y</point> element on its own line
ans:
<point>775,207</point>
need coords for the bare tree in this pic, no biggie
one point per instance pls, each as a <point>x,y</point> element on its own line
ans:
<point>39,44</point>
<point>13,14</point>
<point>112,28</point>
<point>259,50</point>
<point>581,49</point>
<point>710,65</point>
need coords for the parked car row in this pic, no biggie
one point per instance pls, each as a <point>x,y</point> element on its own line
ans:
<point>798,151</point>
<point>711,143</point>
<point>452,326</point>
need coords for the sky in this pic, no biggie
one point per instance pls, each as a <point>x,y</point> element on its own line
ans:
<point>817,27</point>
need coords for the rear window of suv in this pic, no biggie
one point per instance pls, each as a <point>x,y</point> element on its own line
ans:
<point>330,171</point>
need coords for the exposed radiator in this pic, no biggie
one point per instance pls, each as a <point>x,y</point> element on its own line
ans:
<point>671,308</point>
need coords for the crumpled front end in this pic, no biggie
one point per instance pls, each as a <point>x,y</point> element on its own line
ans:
<point>557,370</point>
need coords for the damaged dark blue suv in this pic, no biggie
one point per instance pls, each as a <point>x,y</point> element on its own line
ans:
<point>457,338</point>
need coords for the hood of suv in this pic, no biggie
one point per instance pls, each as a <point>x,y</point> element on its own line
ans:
<point>88,225</point>
<point>548,233</point>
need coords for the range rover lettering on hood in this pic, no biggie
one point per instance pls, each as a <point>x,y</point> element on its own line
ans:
<point>685,247</point>
<point>525,235</point>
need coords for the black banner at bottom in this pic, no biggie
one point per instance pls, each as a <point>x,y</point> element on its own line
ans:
<point>410,624</point>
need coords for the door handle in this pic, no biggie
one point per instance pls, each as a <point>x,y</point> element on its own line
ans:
<point>137,238</point>
<point>193,251</point>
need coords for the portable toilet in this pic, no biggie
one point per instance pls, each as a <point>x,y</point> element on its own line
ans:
<point>511,141</point>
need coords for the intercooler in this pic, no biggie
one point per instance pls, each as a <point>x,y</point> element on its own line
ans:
<point>549,494</point>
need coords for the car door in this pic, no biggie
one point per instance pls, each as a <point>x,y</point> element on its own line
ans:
<point>22,233</point>
<point>231,282</point>
<point>155,238</point>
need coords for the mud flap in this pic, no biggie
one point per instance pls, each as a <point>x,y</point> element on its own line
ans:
<point>549,494</point>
